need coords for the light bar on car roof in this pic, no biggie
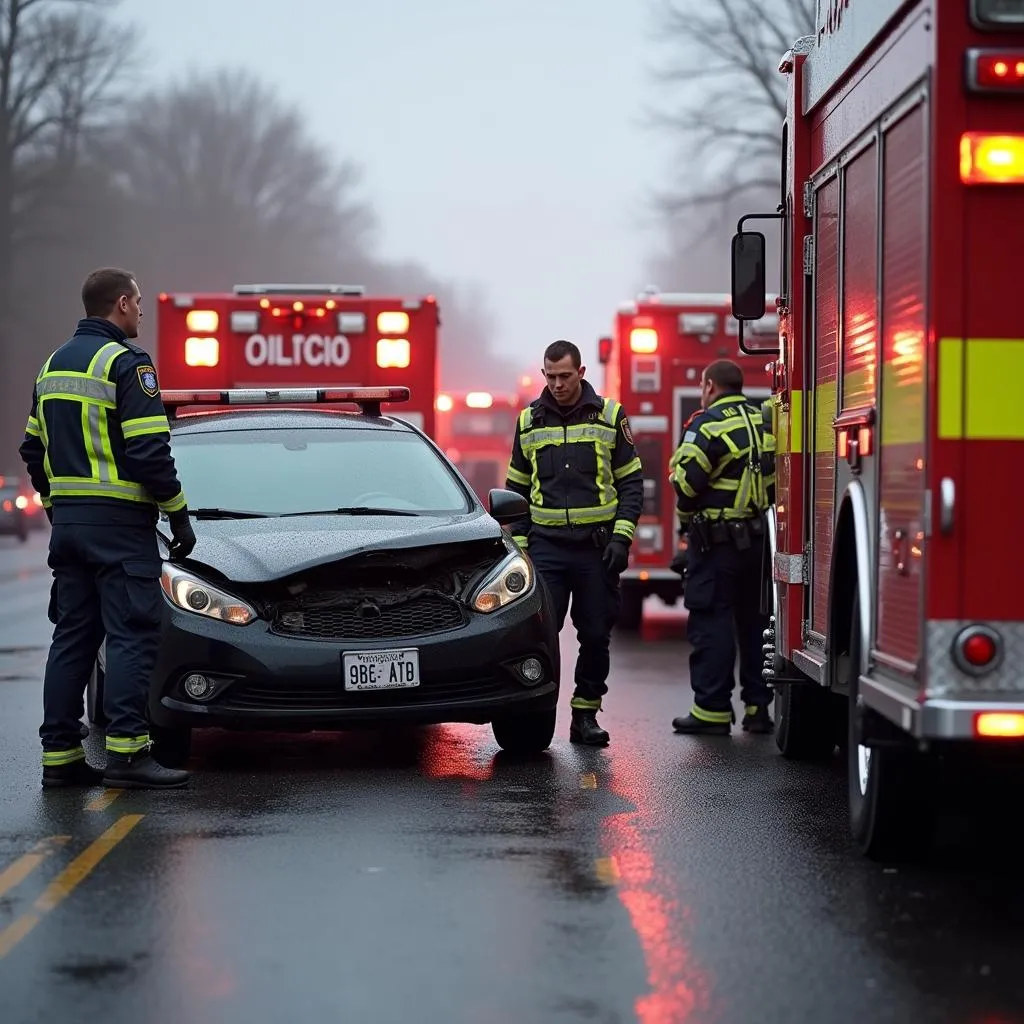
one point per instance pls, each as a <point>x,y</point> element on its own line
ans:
<point>368,399</point>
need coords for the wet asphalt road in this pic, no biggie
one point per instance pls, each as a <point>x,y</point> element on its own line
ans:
<point>422,877</point>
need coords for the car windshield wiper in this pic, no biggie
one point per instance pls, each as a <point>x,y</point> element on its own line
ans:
<point>225,513</point>
<point>353,510</point>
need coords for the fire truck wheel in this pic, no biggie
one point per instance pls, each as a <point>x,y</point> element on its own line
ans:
<point>631,614</point>
<point>804,728</point>
<point>94,696</point>
<point>887,786</point>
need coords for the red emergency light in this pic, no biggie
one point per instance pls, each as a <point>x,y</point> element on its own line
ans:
<point>368,399</point>
<point>604,349</point>
<point>995,70</point>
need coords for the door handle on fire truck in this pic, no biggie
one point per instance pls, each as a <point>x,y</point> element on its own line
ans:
<point>947,503</point>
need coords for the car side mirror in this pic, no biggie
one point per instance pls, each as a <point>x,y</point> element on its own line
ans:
<point>748,275</point>
<point>507,506</point>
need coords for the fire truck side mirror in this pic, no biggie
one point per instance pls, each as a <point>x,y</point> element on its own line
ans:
<point>748,275</point>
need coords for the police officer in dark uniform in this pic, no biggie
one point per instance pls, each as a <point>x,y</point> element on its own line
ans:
<point>573,459</point>
<point>97,448</point>
<point>724,477</point>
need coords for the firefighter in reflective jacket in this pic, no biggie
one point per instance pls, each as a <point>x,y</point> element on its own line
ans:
<point>97,448</point>
<point>573,459</point>
<point>724,477</point>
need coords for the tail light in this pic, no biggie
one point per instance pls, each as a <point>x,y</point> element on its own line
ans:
<point>977,650</point>
<point>643,340</point>
<point>999,724</point>
<point>202,351</point>
<point>995,71</point>
<point>393,353</point>
<point>987,158</point>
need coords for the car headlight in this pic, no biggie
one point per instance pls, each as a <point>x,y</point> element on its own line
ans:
<point>195,595</point>
<point>511,580</point>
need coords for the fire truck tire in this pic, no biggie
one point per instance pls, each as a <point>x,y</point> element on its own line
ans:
<point>804,722</point>
<point>889,802</point>
<point>171,747</point>
<point>94,696</point>
<point>525,734</point>
<point>631,613</point>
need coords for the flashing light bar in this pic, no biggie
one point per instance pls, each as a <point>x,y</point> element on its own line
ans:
<point>299,289</point>
<point>989,158</point>
<point>368,399</point>
<point>643,340</point>
<point>991,71</point>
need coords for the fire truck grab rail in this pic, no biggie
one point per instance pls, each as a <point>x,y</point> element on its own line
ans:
<point>299,289</point>
<point>369,400</point>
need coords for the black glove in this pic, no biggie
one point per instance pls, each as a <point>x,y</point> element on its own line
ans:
<point>184,536</point>
<point>616,556</point>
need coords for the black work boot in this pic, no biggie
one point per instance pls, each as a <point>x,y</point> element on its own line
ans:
<point>77,773</point>
<point>691,726</point>
<point>584,728</point>
<point>757,719</point>
<point>141,771</point>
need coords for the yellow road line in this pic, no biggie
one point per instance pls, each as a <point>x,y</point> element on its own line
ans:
<point>104,800</point>
<point>588,780</point>
<point>607,870</point>
<point>67,881</point>
<point>16,873</point>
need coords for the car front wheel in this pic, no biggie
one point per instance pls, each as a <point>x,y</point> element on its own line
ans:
<point>525,734</point>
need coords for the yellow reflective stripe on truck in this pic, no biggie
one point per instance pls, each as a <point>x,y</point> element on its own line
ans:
<point>979,389</point>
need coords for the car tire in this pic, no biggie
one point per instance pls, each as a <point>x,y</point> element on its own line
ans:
<point>525,734</point>
<point>94,696</point>
<point>172,747</point>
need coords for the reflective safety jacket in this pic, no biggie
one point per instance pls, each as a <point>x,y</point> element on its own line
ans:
<point>725,463</point>
<point>577,467</point>
<point>98,436</point>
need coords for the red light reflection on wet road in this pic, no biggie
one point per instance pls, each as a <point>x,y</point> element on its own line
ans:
<point>678,989</point>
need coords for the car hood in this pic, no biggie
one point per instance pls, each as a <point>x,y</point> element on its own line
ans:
<point>261,550</point>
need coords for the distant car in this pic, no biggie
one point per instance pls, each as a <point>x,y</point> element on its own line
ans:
<point>344,575</point>
<point>14,515</point>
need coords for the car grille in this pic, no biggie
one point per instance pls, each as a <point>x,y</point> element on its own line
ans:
<point>269,696</point>
<point>370,620</point>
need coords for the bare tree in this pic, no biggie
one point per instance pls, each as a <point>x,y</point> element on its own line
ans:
<point>225,181</point>
<point>732,99</point>
<point>59,65</point>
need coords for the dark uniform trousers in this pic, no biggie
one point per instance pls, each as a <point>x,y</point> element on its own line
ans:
<point>723,598</point>
<point>576,569</point>
<point>106,582</point>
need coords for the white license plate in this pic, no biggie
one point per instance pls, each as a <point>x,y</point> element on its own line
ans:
<point>381,670</point>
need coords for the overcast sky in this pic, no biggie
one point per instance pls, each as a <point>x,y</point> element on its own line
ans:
<point>501,141</point>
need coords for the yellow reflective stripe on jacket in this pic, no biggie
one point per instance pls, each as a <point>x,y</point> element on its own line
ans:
<point>56,758</point>
<point>145,425</point>
<point>77,387</point>
<point>176,504</point>
<point>544,516</point>
<point>516,476</point>
<point>624,528</point>
<point>32,427</point>
<point>127,744</point>
<point>634,466</point>
<point>76,487</point>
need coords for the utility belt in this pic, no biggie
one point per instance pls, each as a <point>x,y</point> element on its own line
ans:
<point>578,535</point>
<point>707,533</point>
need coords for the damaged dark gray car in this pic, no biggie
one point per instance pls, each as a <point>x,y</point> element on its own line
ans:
<point>345,575</point>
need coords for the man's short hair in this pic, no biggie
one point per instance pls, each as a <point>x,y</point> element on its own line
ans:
<point>725,375</point>
<point>558,350</point>
<point>104,287</point>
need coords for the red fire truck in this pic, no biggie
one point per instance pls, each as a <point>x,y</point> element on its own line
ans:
<point>476,429</point>
<point>898,627</point>
<point>308,335</point>
<point>652,365</point>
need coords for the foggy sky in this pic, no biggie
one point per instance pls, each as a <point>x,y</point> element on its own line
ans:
<point>501,142</point>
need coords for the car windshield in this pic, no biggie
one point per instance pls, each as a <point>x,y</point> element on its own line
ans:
<point>282,471</point>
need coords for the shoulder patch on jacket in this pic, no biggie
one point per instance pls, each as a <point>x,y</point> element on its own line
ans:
<point>148,381</point>
<point>627,430</point>
<point>689,437</point>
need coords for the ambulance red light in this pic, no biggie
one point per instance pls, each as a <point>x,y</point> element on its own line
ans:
<point>643,340</point>
<point>393,353</point>
<point>1000,724</point>
<point>990,159</point>
<point>264,303</point>
<point>995,70</point>
<point>365,394</point>
<point>202,351</point>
